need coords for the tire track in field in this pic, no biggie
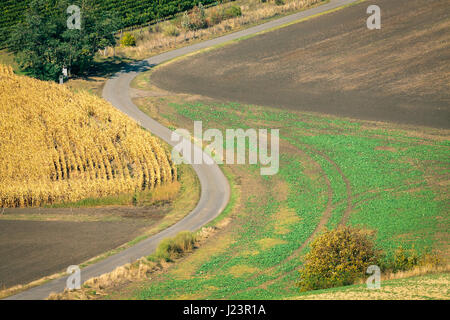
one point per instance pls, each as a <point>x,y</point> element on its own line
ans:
<point>348,188</point>
<point>326,215</point>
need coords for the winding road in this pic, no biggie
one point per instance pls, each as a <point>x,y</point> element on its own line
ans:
<point>215,190</point>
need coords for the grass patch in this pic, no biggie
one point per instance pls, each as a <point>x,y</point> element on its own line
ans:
<point>164,193</point>
<point>172,248</point>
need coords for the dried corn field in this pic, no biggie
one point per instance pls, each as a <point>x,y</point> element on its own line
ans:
<point>60,146</point>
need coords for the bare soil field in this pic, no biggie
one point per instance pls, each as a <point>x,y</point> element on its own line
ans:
<point>334,65</point>
<point>39,242</point>
<point>38,246</point>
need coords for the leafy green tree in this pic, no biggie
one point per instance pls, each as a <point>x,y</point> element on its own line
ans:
<point>43,43</point>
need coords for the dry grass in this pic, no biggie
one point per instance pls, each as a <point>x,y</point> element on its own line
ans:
<point>253,12</point>
<point>418,284</point>
<point>418,271</point>
<point>242,270</point>
<point>59,146</point>
<point>19,288</point>
<point>95,287</point>
<point>268,243</point>
<point>285,218</point>
<point>165,193</point>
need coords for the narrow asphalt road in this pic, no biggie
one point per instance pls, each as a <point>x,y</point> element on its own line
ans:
<point>215,191</point>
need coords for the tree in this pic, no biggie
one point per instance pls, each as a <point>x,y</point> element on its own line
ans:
<point>185,23</point>
<point>128,40</point>
<point>197,18</point>
<point>43,43</point>
<point>337,258</point>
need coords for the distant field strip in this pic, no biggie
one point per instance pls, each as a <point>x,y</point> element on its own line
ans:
<point>333,64</point>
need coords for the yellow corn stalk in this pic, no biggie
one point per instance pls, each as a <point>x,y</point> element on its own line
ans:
<point>56,145</point>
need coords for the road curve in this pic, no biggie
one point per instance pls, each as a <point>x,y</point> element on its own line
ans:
<point>215,190</point>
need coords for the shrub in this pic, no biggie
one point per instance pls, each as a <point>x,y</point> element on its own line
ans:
<point>163,251</point>
<point>232,12</point>
<point>408,259</point>
<point>185,241</point>
<point>128,40</point>
<point>197,18</point>
<point>405,259</point>
<point>337,257</point>
<point>171,248</point>
<point>186,21</point>
<point>215,16</point>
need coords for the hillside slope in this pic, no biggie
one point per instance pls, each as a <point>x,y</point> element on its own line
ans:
<point>59,146</point>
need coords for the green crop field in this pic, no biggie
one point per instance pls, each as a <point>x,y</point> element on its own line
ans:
<point>332,171</point>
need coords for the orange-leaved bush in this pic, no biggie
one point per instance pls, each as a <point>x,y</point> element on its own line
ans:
<point>338,257</point>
